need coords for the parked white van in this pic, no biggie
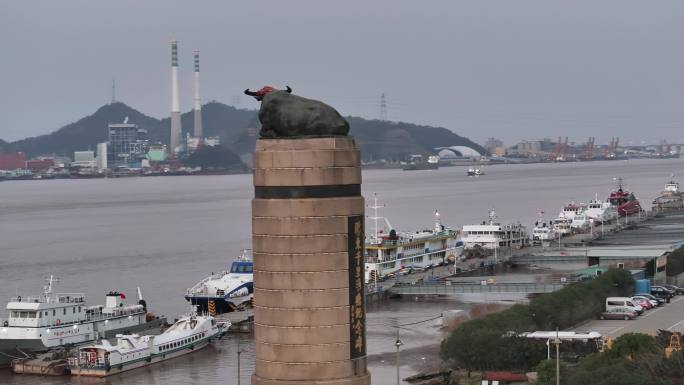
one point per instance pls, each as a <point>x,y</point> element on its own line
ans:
<point>622,304</point>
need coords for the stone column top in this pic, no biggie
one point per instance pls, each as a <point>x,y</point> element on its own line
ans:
<point>306,144</point>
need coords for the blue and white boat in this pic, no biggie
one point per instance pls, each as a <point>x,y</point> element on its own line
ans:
<point>228,291</point>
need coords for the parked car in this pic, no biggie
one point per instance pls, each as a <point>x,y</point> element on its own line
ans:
<point>622,303</point>
<point>652,302</point>
<point>662,292</point>
<point>643,302</point>
<point>621,314</point>
<point>677,290</point>
<point>652,297</point>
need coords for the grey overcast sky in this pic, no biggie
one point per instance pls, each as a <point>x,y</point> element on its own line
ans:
<point>511,68</point>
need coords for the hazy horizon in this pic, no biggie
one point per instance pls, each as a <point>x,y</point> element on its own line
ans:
<point>512,70</point>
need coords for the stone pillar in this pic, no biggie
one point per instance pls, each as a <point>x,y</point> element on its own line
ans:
<point>308,240</point>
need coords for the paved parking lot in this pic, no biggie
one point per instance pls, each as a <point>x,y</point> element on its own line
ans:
<point>669,317</point>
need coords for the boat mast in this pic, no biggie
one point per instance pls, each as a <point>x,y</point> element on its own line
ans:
<point>438,223</point>
<point>492,216</point>
<point>375,216</point>
<point>47,290</point>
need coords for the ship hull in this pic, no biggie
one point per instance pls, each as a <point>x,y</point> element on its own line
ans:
<point>629,208</point>
<point>13,348</point>
<point>221,304</point>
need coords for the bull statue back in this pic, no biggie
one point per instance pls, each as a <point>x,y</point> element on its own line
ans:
<point>285,115</point>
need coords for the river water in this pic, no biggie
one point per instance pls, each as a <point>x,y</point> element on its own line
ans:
<point>164,234</point>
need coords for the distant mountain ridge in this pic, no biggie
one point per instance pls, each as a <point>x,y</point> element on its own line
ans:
<point>238,131</point>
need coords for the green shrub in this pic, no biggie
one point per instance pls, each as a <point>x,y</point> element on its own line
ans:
<point>490,343</point>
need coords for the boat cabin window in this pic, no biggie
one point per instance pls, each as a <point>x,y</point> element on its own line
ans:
<point>24,314</point>
<point>64,311</point>
<point>241,268</point>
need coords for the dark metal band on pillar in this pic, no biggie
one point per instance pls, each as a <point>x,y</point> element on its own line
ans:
<point>303,192</point>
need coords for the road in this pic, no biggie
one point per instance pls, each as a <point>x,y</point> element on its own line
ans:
<point>669,317</point>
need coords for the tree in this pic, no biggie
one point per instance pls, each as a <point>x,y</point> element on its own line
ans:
<point>546,372</point>
<point>216,158</point>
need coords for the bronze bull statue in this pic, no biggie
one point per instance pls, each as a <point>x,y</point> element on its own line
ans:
<point>284,115</point>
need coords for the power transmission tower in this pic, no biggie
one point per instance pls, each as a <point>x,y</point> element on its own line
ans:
<point>113,91</point>
<point>383,107</point>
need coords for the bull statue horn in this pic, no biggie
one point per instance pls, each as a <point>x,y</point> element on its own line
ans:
<point>250,93</point>
<point>288,89</point>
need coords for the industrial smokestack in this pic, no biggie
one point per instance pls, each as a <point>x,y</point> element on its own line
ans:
<point>175,105</point>
<point>198,104</point>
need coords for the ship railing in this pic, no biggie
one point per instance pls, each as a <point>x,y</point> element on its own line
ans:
<point>27,299</point>
<point>58,298</point>
<point>196,289</point>
<point>115,313</point>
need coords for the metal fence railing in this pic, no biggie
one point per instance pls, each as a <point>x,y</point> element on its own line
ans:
<point>467,288</point>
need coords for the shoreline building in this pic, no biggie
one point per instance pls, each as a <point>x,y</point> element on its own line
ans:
<point>175,137</point>
<point>101,158</point>
<point>128,145</point>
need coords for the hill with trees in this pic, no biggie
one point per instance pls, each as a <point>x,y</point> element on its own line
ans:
<point>238,131</point>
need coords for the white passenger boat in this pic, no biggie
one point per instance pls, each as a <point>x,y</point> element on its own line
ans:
<point>228,291</point>
<point>672,187</point>
<point>389,252</point>
<point>186,335</point>
<point>562,226</point>
<point>493,235</point>
<point>571,209</point>
<point>39,323</point>
<point>581,222</point>
<point>474,172</point>
<point>601,211</point>
<point>543,232</point>
<point>671,198</point>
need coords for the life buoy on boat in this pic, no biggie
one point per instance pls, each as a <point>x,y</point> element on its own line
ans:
<point>58,322</point>
<point>5,324</point>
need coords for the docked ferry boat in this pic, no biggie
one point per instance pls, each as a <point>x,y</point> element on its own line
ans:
<point>670,199</point>
<point>40,323</point>
<point>562,226</point>
<point>493,235</point>
<point>131,351</point>
<point>581,222</point>
<point>625,201</point>
<point>601,211</point>
<point>389,252</point>
<point>543,232</point>
<point>228,291</point>
<point>571,209</point>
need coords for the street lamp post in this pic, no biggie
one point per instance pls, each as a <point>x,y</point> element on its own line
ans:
<point>398,344</point>
<point>557,342</point>
<point>239,352</point>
